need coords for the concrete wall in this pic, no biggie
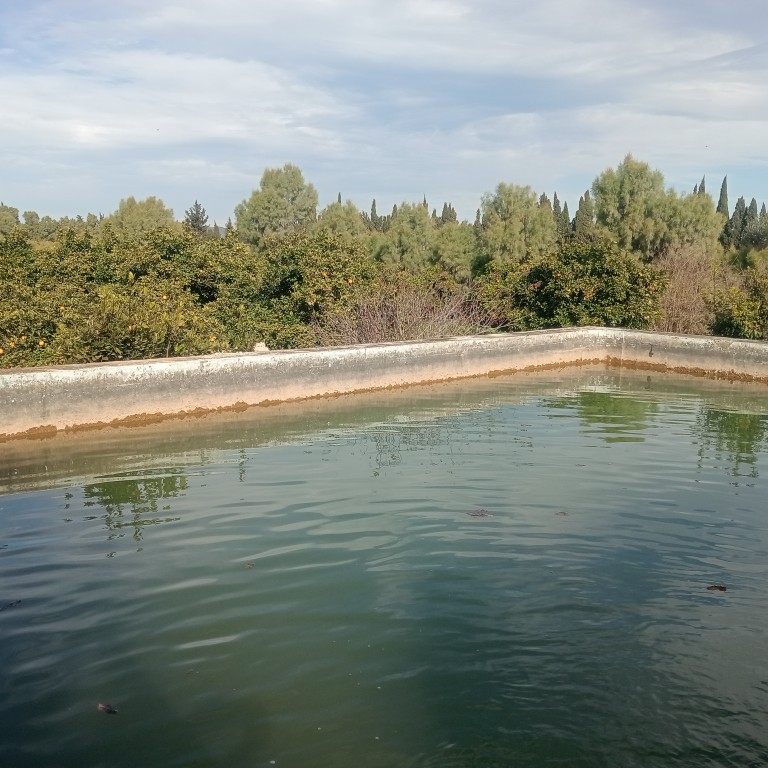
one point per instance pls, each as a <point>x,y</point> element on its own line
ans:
<point>41,401</point>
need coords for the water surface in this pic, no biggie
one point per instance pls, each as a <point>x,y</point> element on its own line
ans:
<point>308,586</point>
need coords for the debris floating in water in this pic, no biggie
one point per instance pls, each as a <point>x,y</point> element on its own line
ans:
<point>717,588</point>
<point>479,513</point>
<point>249,565</point>
<point>561,513</point>
<point>11,605</point>
<point>107,709</point>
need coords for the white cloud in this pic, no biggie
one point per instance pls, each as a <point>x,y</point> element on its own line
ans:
<point>444,97</point>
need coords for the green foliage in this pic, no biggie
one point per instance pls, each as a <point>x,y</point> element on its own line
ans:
<point>628,203</point>
<point>307,275</point>
<point>633,206</point>
<point>586,282</point>
<point>284,203</point>
<point>742,312</point>
<point>196,218</point>
<point>344,220</point>
<point>455,250</point>
<point>92,296</point>
<point>409,240</point>
<point>145,319</point>
<point>514,228</point>
<point>9,218</point>
<point>722,201</point>
<point>134,216</point>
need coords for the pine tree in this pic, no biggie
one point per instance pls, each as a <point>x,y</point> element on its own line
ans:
<point>545,202</point>
<point>230,226</point>
<point>722,203</point>
<point>196,218</point>
<point>216,232</point>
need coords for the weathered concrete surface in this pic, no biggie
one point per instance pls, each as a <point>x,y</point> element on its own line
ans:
<point>41,401</point>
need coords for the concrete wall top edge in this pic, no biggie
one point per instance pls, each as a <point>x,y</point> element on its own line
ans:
<point>222,361</point>
<point>589,336</point>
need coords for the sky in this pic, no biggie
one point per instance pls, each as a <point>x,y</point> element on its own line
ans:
<point>395,100</point>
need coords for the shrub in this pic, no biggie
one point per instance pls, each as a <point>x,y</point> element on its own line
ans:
<point>399,306</point>
<point>585,282</point>
<point>742,312</point>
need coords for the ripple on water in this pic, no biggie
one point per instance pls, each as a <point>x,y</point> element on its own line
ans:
<point>330,601</point>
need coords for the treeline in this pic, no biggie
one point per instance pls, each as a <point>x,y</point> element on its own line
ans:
<point>138,284</point>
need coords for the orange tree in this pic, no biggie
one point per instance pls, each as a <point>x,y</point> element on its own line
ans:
<point>585,281</point>
<point>307,275</point>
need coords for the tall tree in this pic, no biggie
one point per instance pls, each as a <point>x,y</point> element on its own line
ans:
<point>410,238</point>
<point>9,218</point>
<point>722,201</point>
<point>283,203</point>
<point>196,218</point>
<point>627,203</point>
<point>731,237</point>
<point>343,220</point>
<point>141,215</point>
<point>515,228</point>
<point>584,220</point>
<point>702,186</point>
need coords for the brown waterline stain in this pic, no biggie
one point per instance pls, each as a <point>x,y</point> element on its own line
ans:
<point>703,373</point>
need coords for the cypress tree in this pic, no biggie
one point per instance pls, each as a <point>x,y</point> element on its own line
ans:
<point>375,223</point>
<point>566,224</point>
<point>702,186</point>
<point>751,214</point>
<point>478,221</point>
<point>722,203</point>
<point>557,211</point>
<point>585,216</point>
<point>338,199</point>
<point>734,228</point>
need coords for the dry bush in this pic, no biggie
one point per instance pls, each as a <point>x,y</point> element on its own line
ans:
<point>692,276</point>
<point>402,308</point>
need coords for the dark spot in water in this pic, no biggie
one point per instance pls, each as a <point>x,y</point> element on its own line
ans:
<point>107,709</point>
<point>11,605</point>
<point>561,513</point>
<point>479,513</point>
<point>249,565</point>
<point>717,588</point>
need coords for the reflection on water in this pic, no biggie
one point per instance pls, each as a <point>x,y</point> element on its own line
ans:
<point>307,587</point>
<point>133,503</point>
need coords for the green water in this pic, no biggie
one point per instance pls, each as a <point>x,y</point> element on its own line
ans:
<point>307,586</point>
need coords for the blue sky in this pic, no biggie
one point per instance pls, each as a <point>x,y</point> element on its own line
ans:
<point>393,100</point>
